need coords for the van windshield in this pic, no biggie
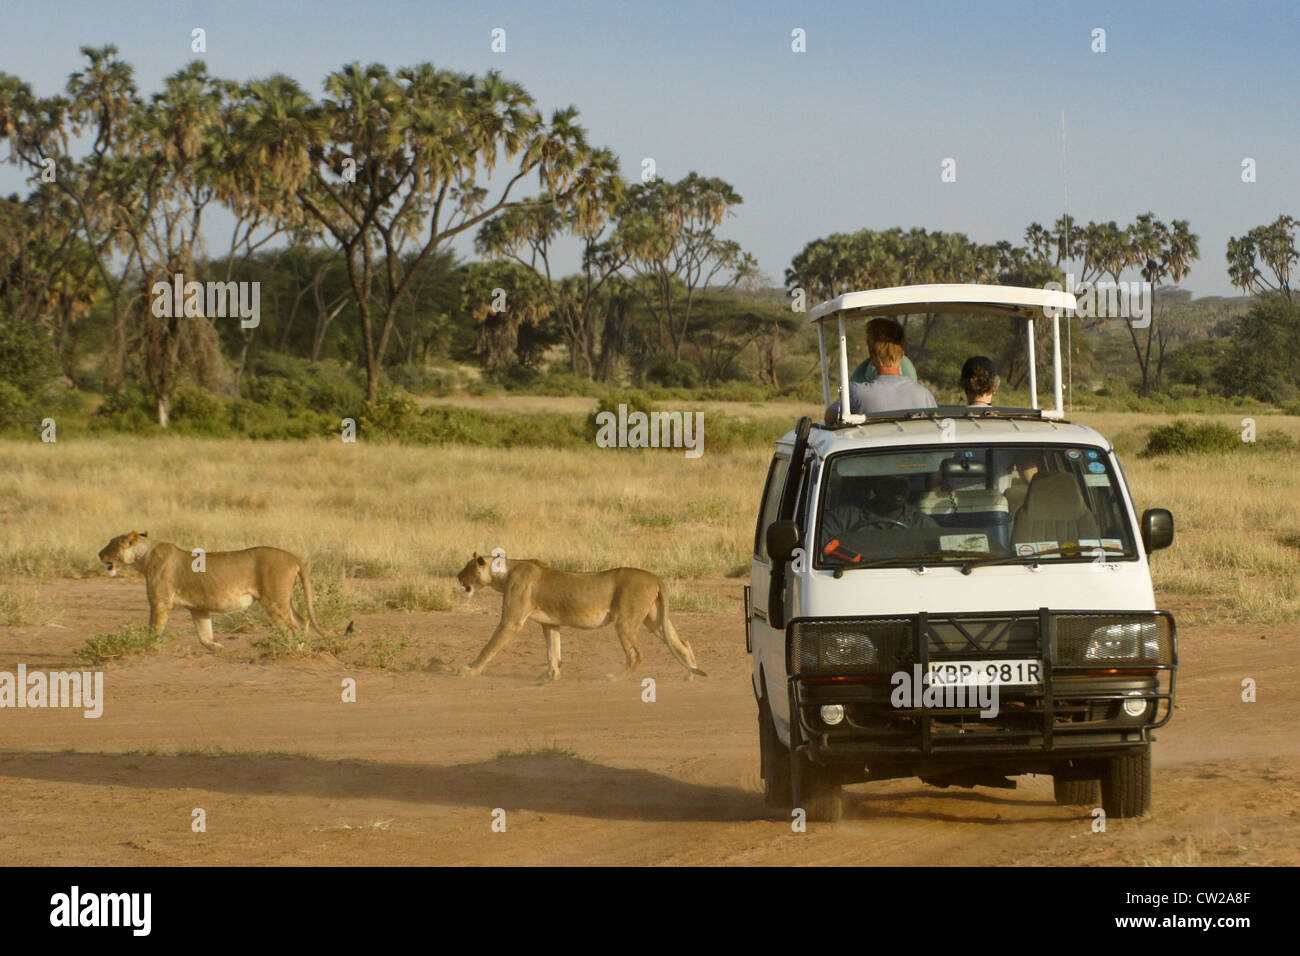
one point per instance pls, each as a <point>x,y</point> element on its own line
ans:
<point>971,503</point>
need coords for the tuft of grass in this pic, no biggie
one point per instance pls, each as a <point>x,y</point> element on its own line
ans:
<point>124,642</point>
<point>410,595</point>
<point>553,749</point>
<point>694,602</point>
<point>20,607</point>
<point>280,643</point>
<point>382,652</point>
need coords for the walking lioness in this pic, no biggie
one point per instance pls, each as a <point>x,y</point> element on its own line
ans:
<point>230,581</point>
<point>624,597</point>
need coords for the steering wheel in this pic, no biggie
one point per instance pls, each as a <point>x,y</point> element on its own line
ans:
<point>881,523</point>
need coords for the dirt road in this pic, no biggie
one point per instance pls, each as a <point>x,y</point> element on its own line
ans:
<point>586,772</point>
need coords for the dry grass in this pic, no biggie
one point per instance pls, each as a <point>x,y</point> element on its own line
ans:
<point>1237,520</point>
<point>23,606</point>
<point>378,511</point>
<point>411,516</point>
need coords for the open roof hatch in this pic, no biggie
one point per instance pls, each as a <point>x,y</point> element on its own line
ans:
<point>969,299</point>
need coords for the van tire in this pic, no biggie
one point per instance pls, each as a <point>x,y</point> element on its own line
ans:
<point>817,790</point>
<point>1126,785</point>
<point>775,768</point>
<point>1076,793</point>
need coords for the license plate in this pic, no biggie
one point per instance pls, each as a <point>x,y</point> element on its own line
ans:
<point>994,673</point>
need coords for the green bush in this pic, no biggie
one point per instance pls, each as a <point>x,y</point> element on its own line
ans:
<point>669,372</point>
<point>129,640</point>
<point>1183,437</point>
<point>131,411</point>
<point>517,378</point>
<point>15,407</point>
<point>423,381</point>
<point>196,411</point>
<point>269,422</point>
<point>26,357</point>
<point>389,415</point>
<point>296,384</point>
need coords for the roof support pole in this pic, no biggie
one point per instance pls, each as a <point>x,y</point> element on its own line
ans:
<point>821,350</point>
<point>1033,366</point>
<point>1056,362</point>
<point>845,409</point>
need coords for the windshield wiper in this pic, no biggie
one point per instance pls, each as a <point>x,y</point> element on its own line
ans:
<point>914,556</point>
<point>1016,558</point>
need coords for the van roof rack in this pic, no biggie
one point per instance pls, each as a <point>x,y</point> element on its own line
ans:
<point>962,299</point>
<point>996,412</point>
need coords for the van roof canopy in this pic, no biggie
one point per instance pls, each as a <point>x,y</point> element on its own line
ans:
<point>992,300</point>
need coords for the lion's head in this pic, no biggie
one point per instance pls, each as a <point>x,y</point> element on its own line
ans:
<point>121,551</point>
<point>476,574</point>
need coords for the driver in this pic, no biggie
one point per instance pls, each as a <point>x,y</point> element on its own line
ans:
<point>890,507</point>
<point>849,524</point>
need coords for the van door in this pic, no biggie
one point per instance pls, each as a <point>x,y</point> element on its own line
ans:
<point>780,493</point>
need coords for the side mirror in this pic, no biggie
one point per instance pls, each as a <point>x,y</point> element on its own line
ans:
<point>782,539</point>
<point>1157,529</point>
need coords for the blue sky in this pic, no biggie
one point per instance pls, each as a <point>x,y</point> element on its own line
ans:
<point>848,135</point>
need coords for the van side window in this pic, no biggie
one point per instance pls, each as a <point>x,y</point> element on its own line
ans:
<point>771,501</point>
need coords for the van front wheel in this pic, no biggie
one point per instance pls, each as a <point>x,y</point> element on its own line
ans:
<point>777,792</point>
<point>817,789</point>
<point>1075,793</point>
<point>1126,784</point>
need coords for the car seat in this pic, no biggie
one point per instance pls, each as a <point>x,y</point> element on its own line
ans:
<point>1054,510</point>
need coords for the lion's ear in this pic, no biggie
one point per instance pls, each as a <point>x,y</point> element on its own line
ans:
<point>475,555</point>
<point>144,534</point>
<point>481,561</point>
<point>135,536</point>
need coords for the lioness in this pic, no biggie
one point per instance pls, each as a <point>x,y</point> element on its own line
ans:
<point>624,597</point>
<point>230,581</point>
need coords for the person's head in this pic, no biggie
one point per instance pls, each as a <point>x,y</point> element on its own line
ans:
<point>1028,465</point>
<point>890,496</point>
<point>979,380</point>
<point>886,343</point>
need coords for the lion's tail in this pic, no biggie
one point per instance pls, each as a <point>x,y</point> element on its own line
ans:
<point>680,649</point>
<point>307,598</point>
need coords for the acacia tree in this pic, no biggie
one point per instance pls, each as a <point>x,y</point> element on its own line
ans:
<point>98,109</point>
<point>46,270</point>
<point>870,259</point>
<point>527,234</point>
<point>669,231</point>
<point>1159,251</point>
<point>1263,259</point>
<point>174,154</point>
<point>137,195</point>
<point>389,166</point>
<point>503,298</point>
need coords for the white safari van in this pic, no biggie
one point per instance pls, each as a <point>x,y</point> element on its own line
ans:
<point>957,594</point>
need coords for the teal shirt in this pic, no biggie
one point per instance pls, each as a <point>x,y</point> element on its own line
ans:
<point>866,372</point>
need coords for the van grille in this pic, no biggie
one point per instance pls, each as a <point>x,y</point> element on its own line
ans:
<point>983,636</point>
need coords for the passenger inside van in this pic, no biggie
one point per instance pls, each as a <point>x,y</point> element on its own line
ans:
<point>1054,510</point>
<point>1026,467</point>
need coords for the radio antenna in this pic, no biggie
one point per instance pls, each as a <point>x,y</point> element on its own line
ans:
<point>1069,325</point>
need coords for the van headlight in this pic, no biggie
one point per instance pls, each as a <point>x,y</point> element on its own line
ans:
<point>854,646</point>
<point>1115,639</point>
